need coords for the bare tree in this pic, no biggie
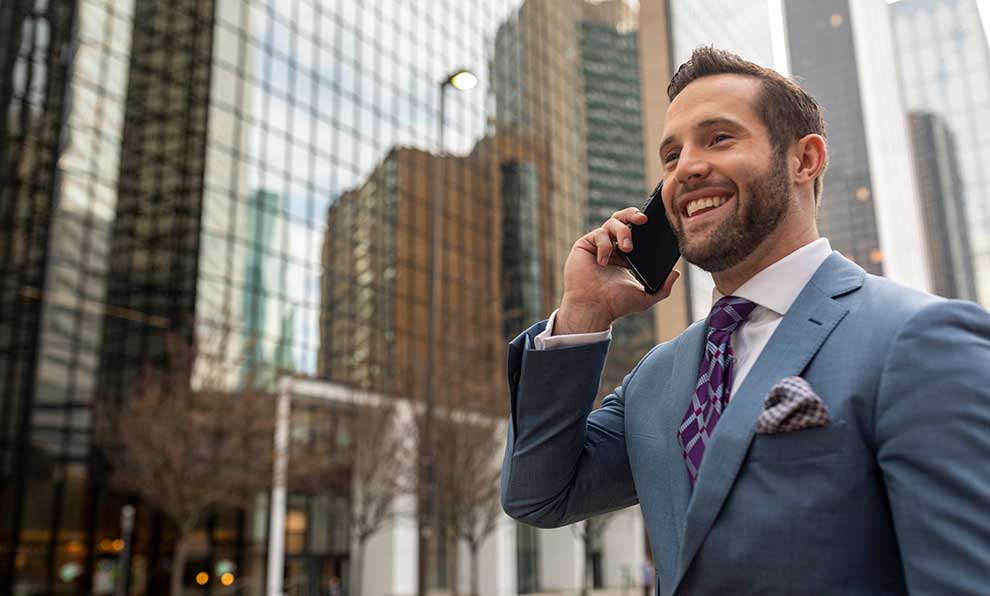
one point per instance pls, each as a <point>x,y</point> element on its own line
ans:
<point>590,533</point>
<point>468,482</point>
<point>364,451</point>
<point>186,449</point>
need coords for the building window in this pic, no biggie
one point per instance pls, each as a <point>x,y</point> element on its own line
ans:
<point>527,559</point>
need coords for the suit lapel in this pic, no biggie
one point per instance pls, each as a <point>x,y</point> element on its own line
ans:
<point>800,335</point>
<point>680,389</point>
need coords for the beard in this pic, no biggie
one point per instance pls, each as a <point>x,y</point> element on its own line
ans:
<point>748,226</point>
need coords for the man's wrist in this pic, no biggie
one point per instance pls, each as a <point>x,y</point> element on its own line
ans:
<point>573,319</point>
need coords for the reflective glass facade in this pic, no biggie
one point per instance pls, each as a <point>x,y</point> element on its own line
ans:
<point>615,155</point>
<point>64,80</point>
<point>940,186</point>
<point>264,172</point>
<point>843,54</point>
<point>847,215</point>
<point>944,67</point>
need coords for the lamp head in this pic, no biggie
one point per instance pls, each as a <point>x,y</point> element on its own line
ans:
<point>462,80</point>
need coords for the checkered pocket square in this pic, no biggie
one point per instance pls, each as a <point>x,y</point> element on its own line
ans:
<point>791,405</point>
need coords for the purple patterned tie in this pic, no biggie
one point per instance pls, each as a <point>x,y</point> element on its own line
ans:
<point>711,393</point>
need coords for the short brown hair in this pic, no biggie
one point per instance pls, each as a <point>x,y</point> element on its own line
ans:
<point>787,111</point>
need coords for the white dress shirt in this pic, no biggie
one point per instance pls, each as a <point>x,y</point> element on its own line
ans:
<point>773,290</point>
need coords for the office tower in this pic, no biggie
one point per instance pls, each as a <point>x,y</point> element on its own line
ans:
<point>175,168</point>
<point>841,53</point>
<point>613,110</point>
<point>259,331</point>
<point>615,152</point>
<point>375,287</point>
<point>944,67</point>
<point>940,187</point>
<point>522,292</point>
<point>744,28</point>
<point>537,86</point>
<point>64,75</point>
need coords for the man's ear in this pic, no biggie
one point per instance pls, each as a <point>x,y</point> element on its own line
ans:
<point>809,157</point>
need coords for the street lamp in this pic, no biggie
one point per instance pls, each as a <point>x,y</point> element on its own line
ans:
<point>461,80</point>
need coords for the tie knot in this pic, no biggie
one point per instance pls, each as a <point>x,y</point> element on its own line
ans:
<point>729,312</point>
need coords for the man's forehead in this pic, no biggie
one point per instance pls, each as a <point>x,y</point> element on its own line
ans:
<point>728,96</point>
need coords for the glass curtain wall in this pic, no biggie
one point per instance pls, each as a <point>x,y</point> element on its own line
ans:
<point>256,178</point>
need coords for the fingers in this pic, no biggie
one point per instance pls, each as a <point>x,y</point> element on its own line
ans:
<point>620,234</point>
<point>603,246</point>
<point>613,233</point>
<point>618,226</point>
<point>630,215</point>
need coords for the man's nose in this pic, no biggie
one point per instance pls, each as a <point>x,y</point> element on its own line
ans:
<point>691,166</point>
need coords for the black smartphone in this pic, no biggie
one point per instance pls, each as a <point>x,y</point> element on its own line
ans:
<point>655,250</point>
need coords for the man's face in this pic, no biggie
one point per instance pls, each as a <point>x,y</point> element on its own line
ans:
<point>725,188</point>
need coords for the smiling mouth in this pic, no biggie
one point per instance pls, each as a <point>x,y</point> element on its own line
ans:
<point>704,205</point>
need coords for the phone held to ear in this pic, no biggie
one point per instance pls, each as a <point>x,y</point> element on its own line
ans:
<point>655,250</point>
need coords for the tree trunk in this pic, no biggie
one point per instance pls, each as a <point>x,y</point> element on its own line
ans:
<point>357,569</point>
<point>475,591</point>
<point>179,562</point>
<point>587,559</point>
<point>452,565</point>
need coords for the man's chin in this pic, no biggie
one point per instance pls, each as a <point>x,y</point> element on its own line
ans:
<point>712,259</point>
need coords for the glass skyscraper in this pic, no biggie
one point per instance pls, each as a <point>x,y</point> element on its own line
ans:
<point>63,83</point>
<point>944,68</point>
<point>255,178</point>
<point>842,54</point>
<point>615,155</point>
<point>940,188</point>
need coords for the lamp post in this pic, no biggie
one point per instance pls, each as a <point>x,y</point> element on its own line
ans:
<point>461,80</point>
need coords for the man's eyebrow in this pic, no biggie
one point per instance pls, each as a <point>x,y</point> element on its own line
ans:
<point>718,121</point>
<point>706,123</point>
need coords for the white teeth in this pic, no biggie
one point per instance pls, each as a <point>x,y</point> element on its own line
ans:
<point>703,203</point>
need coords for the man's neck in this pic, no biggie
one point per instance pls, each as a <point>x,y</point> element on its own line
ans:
<point>776,246</point>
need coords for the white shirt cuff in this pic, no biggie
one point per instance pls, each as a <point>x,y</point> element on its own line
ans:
<point>546,340</point>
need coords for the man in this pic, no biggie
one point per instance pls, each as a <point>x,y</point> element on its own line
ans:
<point>824,431</point>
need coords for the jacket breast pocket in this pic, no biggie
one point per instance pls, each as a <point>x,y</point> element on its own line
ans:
<point>800,444</point>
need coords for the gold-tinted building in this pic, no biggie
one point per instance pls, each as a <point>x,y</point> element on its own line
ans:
<point>376,283</point>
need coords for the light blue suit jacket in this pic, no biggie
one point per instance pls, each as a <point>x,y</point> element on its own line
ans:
<point>892,498</point>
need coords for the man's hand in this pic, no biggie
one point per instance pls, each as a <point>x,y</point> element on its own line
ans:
<point>598,287</point>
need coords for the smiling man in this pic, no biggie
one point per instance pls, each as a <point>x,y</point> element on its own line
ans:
<point>823,431</point>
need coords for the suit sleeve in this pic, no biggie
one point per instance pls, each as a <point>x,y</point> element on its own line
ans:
<point>933,447</point>
<point>563,462</point>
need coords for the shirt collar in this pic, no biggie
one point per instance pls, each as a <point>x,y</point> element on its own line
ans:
<point>777,286</point>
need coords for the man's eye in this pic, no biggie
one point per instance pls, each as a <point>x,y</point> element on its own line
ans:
<point>720,137</point>
<point>670,157</point>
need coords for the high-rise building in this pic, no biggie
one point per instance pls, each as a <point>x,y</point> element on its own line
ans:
<point>376,283</point>
<point>744,28</point>
<point>944,67</point>
<point>537,85</point>
<point>63,76</point>
<point>258,346</point>
<point>616,160</point>
<point>940,188</point>
<point>180,178</point>
<point>841,52</point>
<point>524,194</point>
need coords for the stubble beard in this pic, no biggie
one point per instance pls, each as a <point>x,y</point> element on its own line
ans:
<point>752,222</point>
